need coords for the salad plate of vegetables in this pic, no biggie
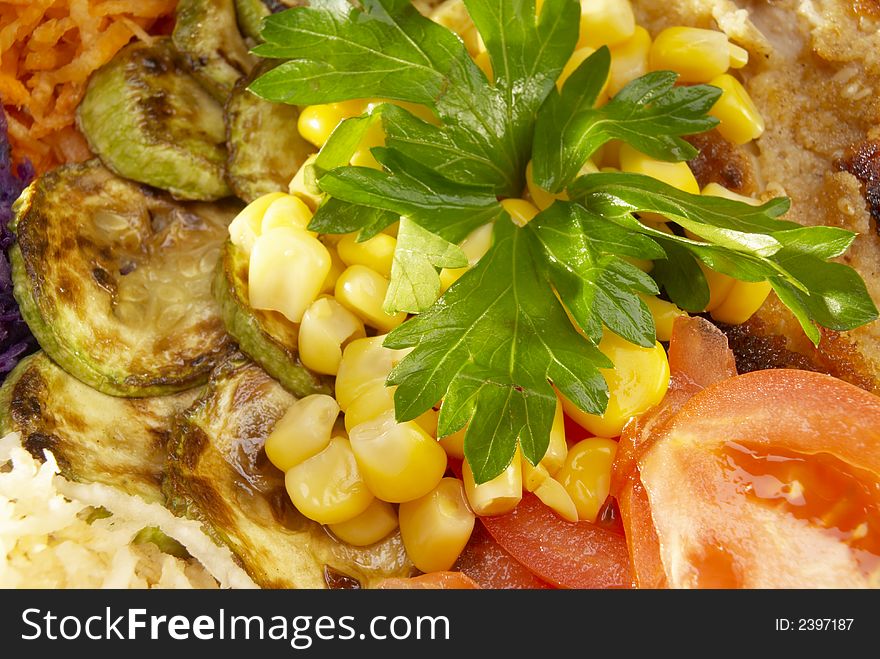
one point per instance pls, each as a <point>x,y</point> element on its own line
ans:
<point>480,293</point>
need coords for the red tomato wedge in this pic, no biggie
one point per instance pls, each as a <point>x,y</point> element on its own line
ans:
<point>563,554</point>
<point>765,480</point>
<point>491,566</point>
<point>698,356</point>
<point>432,580</point>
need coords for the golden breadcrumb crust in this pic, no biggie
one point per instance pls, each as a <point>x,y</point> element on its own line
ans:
<point>814,72</point>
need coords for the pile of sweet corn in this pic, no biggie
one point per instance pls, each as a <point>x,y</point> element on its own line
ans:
<point>364,475</point>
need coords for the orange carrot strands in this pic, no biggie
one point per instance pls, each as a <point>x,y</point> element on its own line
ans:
<point>48,50</point>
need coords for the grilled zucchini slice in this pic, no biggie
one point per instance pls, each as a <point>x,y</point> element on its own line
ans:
<point>251,13</point>
<point>267,337</point>
<point>206,33</point>
<point>264,145</point>
<point>218,473</point>
<point>149,120</point>
<point>114,280</point>
<point>95,438</point>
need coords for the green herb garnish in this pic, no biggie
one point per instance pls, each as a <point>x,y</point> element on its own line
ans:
<point>495,345</point>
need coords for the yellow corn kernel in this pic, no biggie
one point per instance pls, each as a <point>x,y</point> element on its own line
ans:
<point>474,247</point>
<point>499,495</point>
<point>287,270</point>
<point>377,253</point>
<point>697,55</point>
<point>375,523</point>
<point>605,22</point>
<point>740,121</point>
<point>744,299</point>
<point>436,527</point>
<point>577,58</point>
<point>454,15</point>
<point>247,225</point>
<point>287,211</point>
<point>664,314</point>
<point>719,286</point>
<point>554,496</point>
<point>337,267</point>
<point>328,487</point>
<point>303,431</point>
<point>375,136</point>
<point>304,186</point>
<point>520,210</point>
<point>428,421</point>
<point>642,264</point>
<point>586,475</point>
<point>399,461</point>
<point>610,160</point>
<point>454,444</point>
<point>374,401</point>
<point>717,190</point>
<point>540,197</point>
<point>739,57</point>
<point>363,290</point>
<point>423,112</point>
<point>327,327</point>
<point>557,450</point>
<point>482,60</point>
<point>676,174</point>
<point>365,362</point>
<point>317,122</point>
<point>629,60</point>
<point>532,476</point>
<point>637,382</point>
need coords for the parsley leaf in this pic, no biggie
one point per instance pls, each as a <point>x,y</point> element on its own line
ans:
<point>491,350</point>
<point>681,277</point>
<point>580,255</point>
<point>650,114</point>
<point>451,210</point>
<point>335,216</point>
<point>746,242</point>
<point>528,317</point>
<point>415,284</point>
<point>387,49</point>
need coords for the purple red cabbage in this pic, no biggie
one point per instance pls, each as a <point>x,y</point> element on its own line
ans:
<point>16,340</point>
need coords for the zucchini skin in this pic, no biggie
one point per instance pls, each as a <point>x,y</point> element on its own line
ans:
<point>218,473</point>
<point>206,33</point>
<point>264,145</point>
<point>150,121</point>
<point>275,351</point>
<point>250,15</point>
<point>95,438</point>
<point>53,344</point>
<point>65,282</point>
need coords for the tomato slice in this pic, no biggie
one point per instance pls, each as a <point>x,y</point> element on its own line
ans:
<point>698,357</point>
<point>566,555</point>
<point>432,580</point>
<point>491,566</point>
<point>768,479</point>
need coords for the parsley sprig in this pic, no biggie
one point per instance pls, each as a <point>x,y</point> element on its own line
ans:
<point>527,318</point>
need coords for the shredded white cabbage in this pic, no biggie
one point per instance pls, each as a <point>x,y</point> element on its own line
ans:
<point>46,540</point>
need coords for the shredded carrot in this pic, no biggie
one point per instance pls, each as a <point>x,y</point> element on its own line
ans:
<point>48,50</point>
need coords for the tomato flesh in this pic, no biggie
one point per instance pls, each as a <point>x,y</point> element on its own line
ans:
<point>491,566</point>
<point>768,479</point>
<point>566,555</point>
<point>432,580</point>
<point>820,489</point>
